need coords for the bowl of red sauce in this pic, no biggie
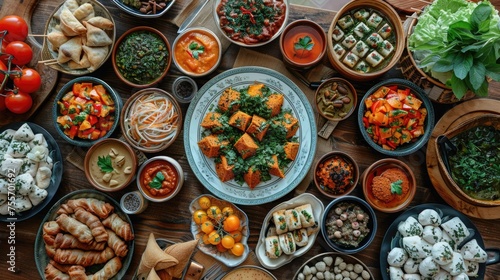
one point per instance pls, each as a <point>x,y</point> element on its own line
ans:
<point>303,44</point>
<point>160,178</point>
<point>389,185</point>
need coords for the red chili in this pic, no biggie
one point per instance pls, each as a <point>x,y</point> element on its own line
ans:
<point>190,54</point>
<point>249,13</point>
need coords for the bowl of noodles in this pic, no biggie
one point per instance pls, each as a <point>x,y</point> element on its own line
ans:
<point>151,120</point>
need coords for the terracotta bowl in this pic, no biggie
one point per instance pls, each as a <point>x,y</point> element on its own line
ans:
<point>122,160</point>
<point>311,39</point>
<point>365,62</point>
<point>185,55</point>
<point>336,174</point>
<point>336,99</point>
<point>443,152</point>
<point>165,162</point>
<point>118,65</point>
<point>389,200</point>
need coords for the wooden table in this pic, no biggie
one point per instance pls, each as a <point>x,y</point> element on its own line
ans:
<point>172,220</point>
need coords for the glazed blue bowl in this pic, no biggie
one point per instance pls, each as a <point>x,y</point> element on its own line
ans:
<point>417,143</point>
<point>67,88</point>
<point>371,224</point>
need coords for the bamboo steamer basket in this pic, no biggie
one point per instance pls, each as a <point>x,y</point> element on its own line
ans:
<point>436,91</point>
<point>390,15</point>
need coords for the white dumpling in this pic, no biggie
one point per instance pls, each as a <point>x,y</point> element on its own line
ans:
<point>47,163</point>
<point>24,184</point>
<point>432,234</point>
<point>346,22</point>
<point>456,266</point>
<point>412,276</point>
<point>411,265</point>
<point>22,203</point>
<point>410,227</point>
<point>395,273</point>
<point>7,134</point>
<point>10,166</point>
<point>456,229</point>
<point>428,267</point>
<point>385,31</point>
<point>38,153</point>
<point>18,149</point>
<point>471,268</point>
<point>39,139</point>
<point>386,48</point>
<point>3,198</point>
<point>374,40</point>
<point>4,209</point>
<point>4,186</point>
<point>360,49</point>
<point>374,58</point>
<point>461,276</point>
<point>338,51</point>
<point>349,41</point>
<point>471,251</point>
<point>4,144</point>
<point>37,195</point>
<point>397,257</point>
<point>24,133</point>
<point>442,253</point>
<point>416,247</point>
<point>43,177</point>
<point>361,30</point>
<point>337,33</point>
<point>374,20</point>
<point>350,59</point>
<point>29,166</point>
<point>442,275</point>
<point>449,240</point>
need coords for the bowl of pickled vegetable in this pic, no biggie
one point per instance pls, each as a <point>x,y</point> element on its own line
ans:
<point>396,117</point>
<point>86,110</point>
<point>142,57</point>
<point>336,99</point>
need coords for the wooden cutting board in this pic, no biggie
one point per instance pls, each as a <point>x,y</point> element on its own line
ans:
<point>25,8</point>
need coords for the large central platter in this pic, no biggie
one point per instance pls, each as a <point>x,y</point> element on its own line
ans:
<point>204,168</point>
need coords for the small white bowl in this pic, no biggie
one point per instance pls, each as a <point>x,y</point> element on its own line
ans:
<point>164,160</point>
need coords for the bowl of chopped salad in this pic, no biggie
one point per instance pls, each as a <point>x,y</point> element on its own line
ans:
<point>142,57</point>
<point>86,110</point>
<point>396,117</point>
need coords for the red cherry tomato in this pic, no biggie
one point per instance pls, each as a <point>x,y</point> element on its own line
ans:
<point>3,67</point>
<point>16,26</point>
<point>21,51</point>
<point>29,81</point>
<point>19,102</point>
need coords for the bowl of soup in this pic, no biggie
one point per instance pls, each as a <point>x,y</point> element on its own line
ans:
<point>336,99</point>
<point>365,40</point>
<point>197,51</point>
<point>248,272</point>
<point>110,165</point>
<point>160,178</point>
<point>303,44</point>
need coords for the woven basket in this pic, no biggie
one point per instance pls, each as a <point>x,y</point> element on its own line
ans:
<point>436,91</point>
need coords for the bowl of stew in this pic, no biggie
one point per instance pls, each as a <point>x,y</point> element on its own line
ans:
<point>336,99</point>
<point>468,160</point>
<point>365,40</point>
<point>336,174</point>
<point>197,51</point>
<point>141,57</point>
<point>160,178</point>
<point>396,117</point>
<point>251,23</point>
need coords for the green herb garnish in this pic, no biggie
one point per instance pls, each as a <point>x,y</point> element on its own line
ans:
<point>396,187</point>
<point>157,180</point>
<point>105,164</point>
<point>304,44</point>
<point>196,50</point>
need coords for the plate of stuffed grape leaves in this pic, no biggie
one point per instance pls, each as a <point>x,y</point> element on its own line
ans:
<point>250,135</point>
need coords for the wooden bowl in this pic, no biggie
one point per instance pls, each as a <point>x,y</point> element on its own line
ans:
<point>308,54</point>
<point>388,200</point>
<point>123,166</point>
<point>49,52</point>
<point>336,99</point>
<point>344,50</point>
<point>442,156</point>
<point>335,166</point>
<point>137,80</point>
<point>164,163</point>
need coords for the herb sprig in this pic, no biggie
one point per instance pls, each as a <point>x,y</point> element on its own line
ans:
<point>304,45</point>
<point>195,50</point>
<point>105,164</point>
<point>157,180</point>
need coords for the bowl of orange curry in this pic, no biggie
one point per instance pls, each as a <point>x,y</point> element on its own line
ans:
<point>197,51</point>
<point>336,174</point>
<point>160,178</point>
<point>389,185</point>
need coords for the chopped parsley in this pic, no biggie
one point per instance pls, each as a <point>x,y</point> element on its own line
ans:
<point>105,164</point>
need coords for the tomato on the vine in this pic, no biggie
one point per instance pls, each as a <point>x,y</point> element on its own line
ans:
<point>16,27</point>
<point>21,52</point>
<point>28,81</point>
<point>18,102</point>
<point>3,67</point>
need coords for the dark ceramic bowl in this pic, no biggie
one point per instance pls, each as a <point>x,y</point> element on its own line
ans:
<point>150,14</point>
<point>336,157</point>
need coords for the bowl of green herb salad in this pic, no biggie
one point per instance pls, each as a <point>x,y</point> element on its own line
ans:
<point>468,159</point>
<point>142,57</point>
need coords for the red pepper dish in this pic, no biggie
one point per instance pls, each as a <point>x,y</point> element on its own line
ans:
<point>86,112</point>
<point>394,116</point>
<point>159,178</point>
<point>251,22</point>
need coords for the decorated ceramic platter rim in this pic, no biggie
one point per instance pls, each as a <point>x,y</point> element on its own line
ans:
<point>320,257</point>
<point>392,235</point>
<point>260,250</point>
<point>55,179</point>
<point>41,258</point>
<point>226,258</point>
<point>294,99</point>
